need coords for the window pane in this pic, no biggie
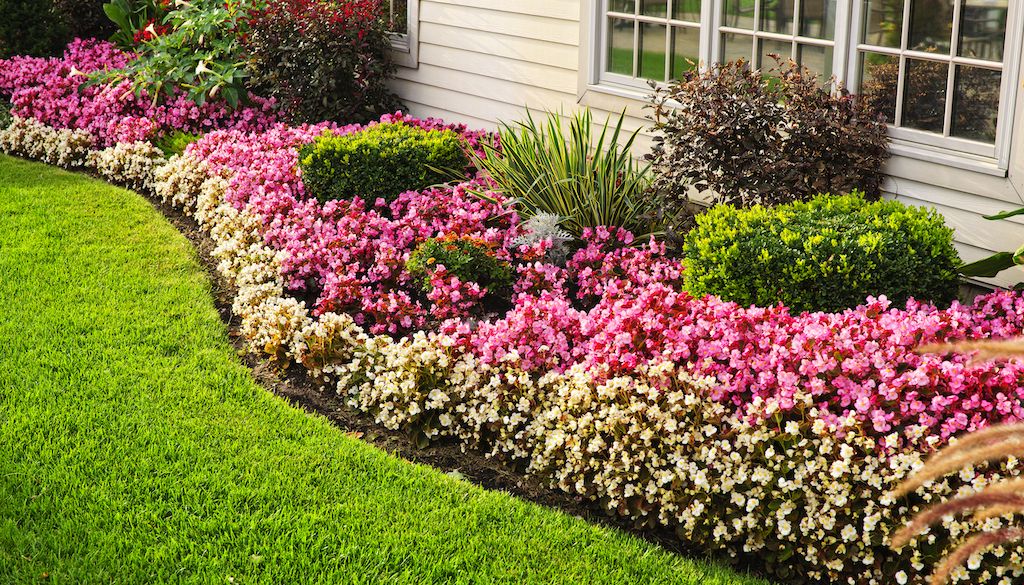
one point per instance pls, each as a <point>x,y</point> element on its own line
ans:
<point>738,14</point>
<point>924,95</point>
<point>685,50</point>
<point>620,46</point>
<point>931,25</point>
<point>983,29</point>
<point>768,48</point>
<point>818,19</point>
<point>735,46</point>
<point>879,76</point>
<point>976,103</point>
<point>883,23</point>
<point>398,11</point>
<point>817,59</point>
<point>652,51</point>
<point>777,16</point>
<point>654,7</point>
<point>627,6</point>
<point>688,10</point>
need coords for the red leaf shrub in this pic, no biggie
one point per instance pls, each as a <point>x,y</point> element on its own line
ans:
<point>322,60</point>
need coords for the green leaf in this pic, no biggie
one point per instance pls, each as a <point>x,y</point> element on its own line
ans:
<point>1006,214</point>
<point>117,15</point>
<point>990,266</point>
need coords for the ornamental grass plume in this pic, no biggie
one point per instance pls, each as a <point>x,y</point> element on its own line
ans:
<point>994,443</point>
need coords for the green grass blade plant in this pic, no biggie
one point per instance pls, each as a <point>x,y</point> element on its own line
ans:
<point>546,167</point>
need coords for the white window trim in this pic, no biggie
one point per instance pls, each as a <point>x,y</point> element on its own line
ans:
<point>405,48</point>
<point>955,152</point>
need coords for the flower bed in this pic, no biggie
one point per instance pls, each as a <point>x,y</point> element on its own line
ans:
<point>751,431</point>
<point>51,91</point>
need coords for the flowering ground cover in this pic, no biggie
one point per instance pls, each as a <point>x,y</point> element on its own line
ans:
<point>755,431</point>
<point>134,447</point>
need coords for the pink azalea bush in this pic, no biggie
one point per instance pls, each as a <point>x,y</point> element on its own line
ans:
<point>51,90</point>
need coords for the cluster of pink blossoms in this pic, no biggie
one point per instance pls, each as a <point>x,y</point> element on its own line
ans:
<point>350,255</point>
<point>628,309</point>
<point>614,305</point>
<point>52,91</point>
<point>618,305</point>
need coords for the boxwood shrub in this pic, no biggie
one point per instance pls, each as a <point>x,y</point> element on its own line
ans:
<point>384,160</point>
<point>826,254</point>
<point>470,259</point>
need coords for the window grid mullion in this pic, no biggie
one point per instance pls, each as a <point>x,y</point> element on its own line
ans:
<point>636,38</point>
<point>669,32</point>
<point>954,48</point>
<point>901,76</point>
<point>756,49</point>
<point>794,55</point>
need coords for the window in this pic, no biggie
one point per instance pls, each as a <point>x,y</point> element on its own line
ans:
<point>403,20</point>
<point>940,70</point>
<point>650,39</point>
<point>935,67</point>
<point>802,31</point>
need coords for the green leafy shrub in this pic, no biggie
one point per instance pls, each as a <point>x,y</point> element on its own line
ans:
<point>5,114</point>
<point>827,254</point>
<point>199,53</point>
<point>384,160</point>
<point>587,182</point>
<point>130,19</point>
<point>175,142</point>
<point>30,27</point>
<point>470,259</point>
<point>750,138</point>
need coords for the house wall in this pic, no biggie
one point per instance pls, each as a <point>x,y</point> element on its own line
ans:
<point>484,61</point>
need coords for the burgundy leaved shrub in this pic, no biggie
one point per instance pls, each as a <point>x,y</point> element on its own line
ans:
<point>322,60</point>
<point>764,139</point>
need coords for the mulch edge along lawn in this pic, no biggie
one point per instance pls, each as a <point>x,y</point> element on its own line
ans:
<point>135,447</point>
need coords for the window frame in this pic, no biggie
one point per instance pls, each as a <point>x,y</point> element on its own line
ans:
<point>949,150</point>
<point>405,47</point>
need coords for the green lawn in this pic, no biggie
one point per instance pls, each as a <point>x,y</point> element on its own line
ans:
<point>135,448</point>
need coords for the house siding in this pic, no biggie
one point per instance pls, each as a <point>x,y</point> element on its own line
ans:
<point>485,61</point>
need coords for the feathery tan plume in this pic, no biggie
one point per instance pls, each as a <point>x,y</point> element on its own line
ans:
<point>935,513</point>
<point>987,350</point>
<point>952,459</point>
<point>997,442</point>
<point>993,512</point>
<point>974,544</point>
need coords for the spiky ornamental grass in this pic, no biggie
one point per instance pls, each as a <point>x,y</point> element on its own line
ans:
<point>999,499</point>
<point>548,167</point>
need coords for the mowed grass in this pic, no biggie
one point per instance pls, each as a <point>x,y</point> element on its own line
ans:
<point>135,448</point>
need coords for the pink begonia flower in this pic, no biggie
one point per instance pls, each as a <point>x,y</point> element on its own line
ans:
<point>616,304</point>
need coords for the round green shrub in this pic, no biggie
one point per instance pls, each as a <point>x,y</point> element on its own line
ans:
<point>384,160</point>
<point>470,259</point>
<point>175,142</point>
<point>827,254</point>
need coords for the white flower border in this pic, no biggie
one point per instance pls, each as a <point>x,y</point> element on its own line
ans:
<point>650,447</point>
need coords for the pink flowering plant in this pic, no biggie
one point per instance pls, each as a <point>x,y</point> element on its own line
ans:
<point>54,92</point>
<point>747,429</point>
